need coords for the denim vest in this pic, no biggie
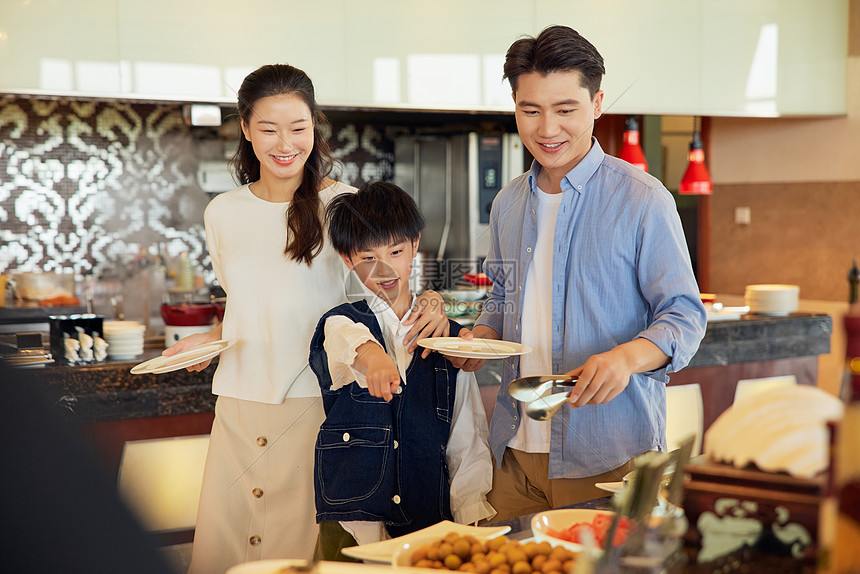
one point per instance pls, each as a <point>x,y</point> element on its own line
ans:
<point>384,461</point>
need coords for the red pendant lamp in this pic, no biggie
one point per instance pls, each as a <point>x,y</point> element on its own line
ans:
<point>696,180</point>
<point>631,151</point>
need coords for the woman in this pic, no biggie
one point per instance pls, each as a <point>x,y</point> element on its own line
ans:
<point>257,497</point>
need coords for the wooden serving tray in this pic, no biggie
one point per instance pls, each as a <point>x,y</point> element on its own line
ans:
<point>729,508</point>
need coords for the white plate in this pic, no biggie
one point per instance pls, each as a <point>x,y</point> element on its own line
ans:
<point>475,348</point>
<point>612,487</point>
<point>192,356</point>
<point>267,566</point>
<point>383,552</point>
<point>124,356</point>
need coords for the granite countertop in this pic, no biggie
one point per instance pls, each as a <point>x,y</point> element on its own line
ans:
<point>764,338</point>
<point>108,391</point>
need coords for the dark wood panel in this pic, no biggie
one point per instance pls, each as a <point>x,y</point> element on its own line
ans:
<point>109,437</point>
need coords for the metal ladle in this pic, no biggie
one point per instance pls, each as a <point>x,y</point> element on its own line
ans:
<point>531,388</point>
<point>543,408</point>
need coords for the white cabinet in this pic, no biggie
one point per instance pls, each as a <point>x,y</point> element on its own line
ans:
<point>201,50</point>
<point>442,54</point>
<point>715,57</point>
<point>679,57</point>
<point>59,47</point>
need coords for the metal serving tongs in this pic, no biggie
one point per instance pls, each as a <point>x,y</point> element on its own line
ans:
<point>536,391</point>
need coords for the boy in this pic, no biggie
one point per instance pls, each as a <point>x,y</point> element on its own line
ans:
<point>404,443</point>
<point>590,268</point>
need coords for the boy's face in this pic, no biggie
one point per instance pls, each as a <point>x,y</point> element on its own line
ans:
<point>555,118</point>
<point>385,271</point>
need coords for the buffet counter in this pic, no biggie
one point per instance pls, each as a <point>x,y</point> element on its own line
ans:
<point>115,406</point>
<point>753,346</point>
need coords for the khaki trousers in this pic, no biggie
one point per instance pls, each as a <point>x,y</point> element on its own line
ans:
<point>522,485</point>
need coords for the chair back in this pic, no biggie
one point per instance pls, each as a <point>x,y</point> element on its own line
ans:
<point>750,387</point>
<point>684,416</point>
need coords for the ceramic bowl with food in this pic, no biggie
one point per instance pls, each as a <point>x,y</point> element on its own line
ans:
<point>566,526</point>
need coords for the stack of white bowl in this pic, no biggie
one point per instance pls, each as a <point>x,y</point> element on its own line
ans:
<point>124,339</point>
<point>772,299</point>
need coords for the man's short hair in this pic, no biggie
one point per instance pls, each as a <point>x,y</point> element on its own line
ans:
<point>380,213</point>
<point>555,49</point>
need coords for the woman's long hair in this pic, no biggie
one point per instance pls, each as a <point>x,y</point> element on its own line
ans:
<point>305,235</point>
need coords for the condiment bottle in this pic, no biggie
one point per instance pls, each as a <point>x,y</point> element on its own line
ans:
<point>854,284</point>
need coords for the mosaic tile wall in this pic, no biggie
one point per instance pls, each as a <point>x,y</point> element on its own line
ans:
<point>85,185</point>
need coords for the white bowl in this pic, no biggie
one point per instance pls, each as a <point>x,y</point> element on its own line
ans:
<point>112,351</point>
<point>772,299</point>
<point>130,336</point>
<point>561,519</point>
<point>122,325</point>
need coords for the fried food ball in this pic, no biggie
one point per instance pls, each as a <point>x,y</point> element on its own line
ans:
<point>496,556</point>
<point>462,548</point>
<point>496,559</point>
<point>419,554</point>
<point>517,554</point>
<point>538,561</point>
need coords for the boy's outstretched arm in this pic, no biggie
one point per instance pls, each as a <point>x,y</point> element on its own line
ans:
<point>381,373</point>
<point>355,355</point>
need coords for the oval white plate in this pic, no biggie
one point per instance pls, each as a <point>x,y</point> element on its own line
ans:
<point>192,356</point>
<point>383,552</point>
<point>475,348</point>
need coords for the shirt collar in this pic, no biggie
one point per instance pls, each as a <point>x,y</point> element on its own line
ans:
<point>576,178</point>
<point>385,316</point>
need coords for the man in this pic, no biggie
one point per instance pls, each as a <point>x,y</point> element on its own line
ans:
<point>590,269</point>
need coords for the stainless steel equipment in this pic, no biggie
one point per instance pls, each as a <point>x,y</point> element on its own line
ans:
<point>454,179</point>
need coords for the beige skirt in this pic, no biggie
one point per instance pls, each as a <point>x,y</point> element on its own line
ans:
<point>257,497</point>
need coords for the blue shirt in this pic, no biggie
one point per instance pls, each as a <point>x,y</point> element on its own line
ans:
<point>620,270</point>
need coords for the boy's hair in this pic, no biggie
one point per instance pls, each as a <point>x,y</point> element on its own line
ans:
<point>380,213</point>
<point>556,49</point>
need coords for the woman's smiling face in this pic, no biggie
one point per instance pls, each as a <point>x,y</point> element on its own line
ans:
<point>281,131</point>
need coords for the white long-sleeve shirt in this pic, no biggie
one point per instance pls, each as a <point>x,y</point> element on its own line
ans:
<point>273,302</point>
<point>468,452</point>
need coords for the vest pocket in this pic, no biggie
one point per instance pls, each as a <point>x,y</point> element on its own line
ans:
<point>351,461</point>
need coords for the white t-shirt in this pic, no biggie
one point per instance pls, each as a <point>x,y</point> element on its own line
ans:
<point>532,435</point>
<point>273,302</point>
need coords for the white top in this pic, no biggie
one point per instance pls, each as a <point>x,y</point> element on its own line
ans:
<point>468,453</point>
<point>532,435</point>
<point>273,302</point>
